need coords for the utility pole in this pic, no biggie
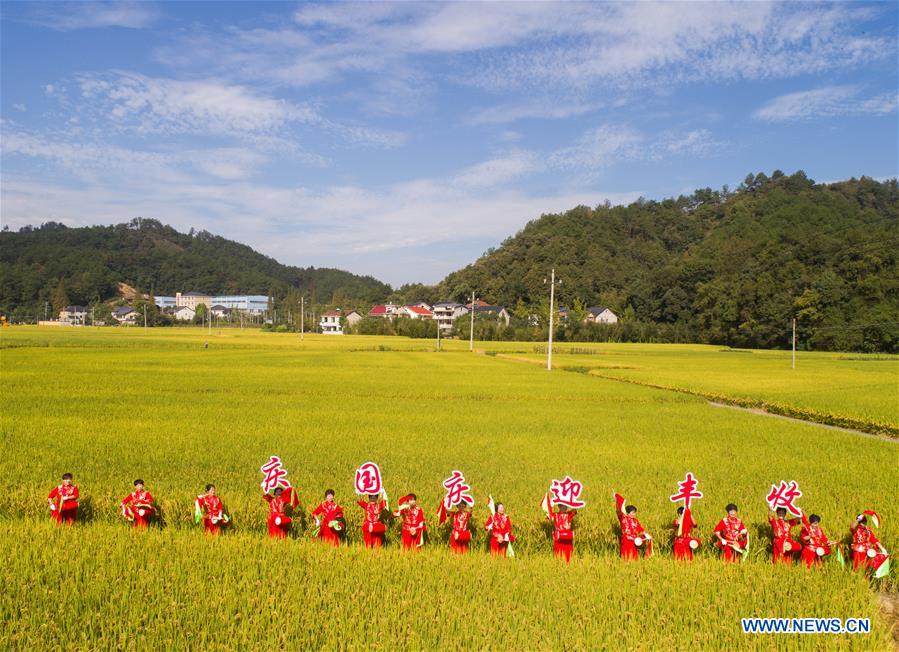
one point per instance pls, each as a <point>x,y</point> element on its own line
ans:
<point>209,315</point>
<point>437,321</point>
<point>794,343</point>
<point>471,334</point>
<point>145,315</point>
<point>302,316</point>
<point>552,297</point>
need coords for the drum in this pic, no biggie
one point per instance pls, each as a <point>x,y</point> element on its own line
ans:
<point>564,536</point>
<point>787,547</point>
<point>638,541</point>
<point>377,528</point>
<point>871,553</point>
<point>694,544</point>
<point>463,537</point>
<point>277,520</point>
<point>819,551</point>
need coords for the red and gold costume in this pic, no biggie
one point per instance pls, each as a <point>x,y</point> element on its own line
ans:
<point>863,540</point>
<point>631,530</point>
<point>460,534</point>
<point>563,534</point>
<point>64,503</point>
<point>278,520</point>
<point>784,546</point>
<point>138,508</point>
<point>683,527</point>
<point>500,528</point>
<point>413,527</point>
<point>813,538</point>
<point>372,528</point>
<point>734,534</point>
<point>330,515</point>
<point>213,513</point>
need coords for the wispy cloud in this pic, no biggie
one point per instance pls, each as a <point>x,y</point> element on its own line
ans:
<point>68,16</point>
<point>827,101</point>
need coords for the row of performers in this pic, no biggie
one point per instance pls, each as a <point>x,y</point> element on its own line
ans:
<point>730,535</point>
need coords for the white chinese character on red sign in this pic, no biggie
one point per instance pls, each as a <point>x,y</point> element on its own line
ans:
<point>566,492</point>
<point>784,496</point>
<point>368,479</point>
<point>686,491</point>
<point>456,491</point>
<point>275,475</point>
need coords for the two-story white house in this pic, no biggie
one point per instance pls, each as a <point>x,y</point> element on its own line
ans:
<point>75,315</point>
<point>330,323</point>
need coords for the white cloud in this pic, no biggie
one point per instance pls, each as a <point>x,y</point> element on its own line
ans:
<point>498,171</point>
<point>545,109</point>
<point>827,101</point>
<point>600,147</point>
<point>67,16</point>
<point>19,107</point>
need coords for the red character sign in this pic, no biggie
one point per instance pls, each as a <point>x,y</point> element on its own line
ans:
<point>275,475</point>
<point>456,491</point>
<point>784,496</point>
<point>686,491</point>
<point>566,492</point>
<point>368,480</point>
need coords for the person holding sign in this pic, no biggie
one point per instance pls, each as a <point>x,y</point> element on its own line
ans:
<point>138,507</point>
<point>368,483</point>
<point>499,525</point>
<point>780,500</point>
<point>634,536</point>
<point>414,527</point>
<point>329,520</point>
<point>63,500</point>
<point>280,501</point>
<point>458,502</point>
<point>558,503</point>
<point>731,535</point>
<point>684,544</point>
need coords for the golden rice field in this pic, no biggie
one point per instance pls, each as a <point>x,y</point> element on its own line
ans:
<point>110,405</point>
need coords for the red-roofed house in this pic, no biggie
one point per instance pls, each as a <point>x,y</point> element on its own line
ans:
<point>417,312</point>
<point>386,311</point>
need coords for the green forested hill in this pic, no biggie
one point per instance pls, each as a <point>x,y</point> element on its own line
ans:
<point>717,266</point>
<point>150,256</point>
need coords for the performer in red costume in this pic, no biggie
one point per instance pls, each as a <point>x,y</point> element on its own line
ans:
<point>280,501</point>
<point>731,535</point>
<point>372,528</point>
<point>867,552</point>
<point>63,500</point>
<point>684,544</point>
<point>499,525</point>
<point>783,546</point>
<point>563,533</point>
<point>460,534</point>
<point>633,535</point>
<point>815,543</point>
<point>210,509</point>
<point>138,506</point>
<point>329,518</point>
<point>414,526</point>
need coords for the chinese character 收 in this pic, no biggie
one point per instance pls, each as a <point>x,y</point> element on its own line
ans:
<point>784,496</point>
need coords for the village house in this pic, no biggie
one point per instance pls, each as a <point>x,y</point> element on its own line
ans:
<point>352,318</point>
<point>164,303</point>
<point>184,313</point>
<point>446,313</point>
<point>416,312</point>
<point>499,311</point>
<point>220,311</point>
<point>75,315</point>
<point>330,324</point>
<point>601,315</point>
<point>124,315</point>
<point>385,311</point>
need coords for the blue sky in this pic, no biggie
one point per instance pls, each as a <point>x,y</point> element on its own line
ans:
<point>402,140</point>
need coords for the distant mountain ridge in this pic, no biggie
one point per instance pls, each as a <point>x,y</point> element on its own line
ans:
<point>723,267</point>
<point>91,261</point>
